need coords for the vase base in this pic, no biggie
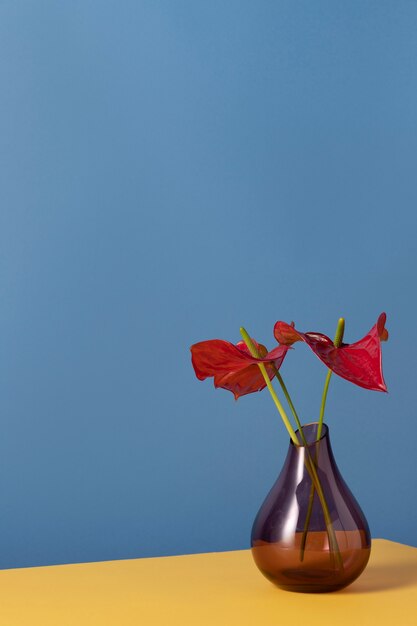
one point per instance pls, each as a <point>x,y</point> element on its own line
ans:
<point>318,571</point>
<point>310,588</point>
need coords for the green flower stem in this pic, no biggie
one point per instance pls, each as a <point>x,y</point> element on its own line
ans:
<point>252,349</point>
<point>333,544</point>
<point>309,463</point>
<point>290,404</point>
<point>307,522</point>
<point>311,468</point>
<point>337,342</point>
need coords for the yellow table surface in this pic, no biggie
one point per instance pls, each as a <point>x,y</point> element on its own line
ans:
<point>216,588</point>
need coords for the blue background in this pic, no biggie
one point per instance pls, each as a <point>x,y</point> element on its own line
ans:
<point>169,172</point>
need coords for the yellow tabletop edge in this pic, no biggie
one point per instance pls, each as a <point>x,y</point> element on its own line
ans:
<point>165,557</point>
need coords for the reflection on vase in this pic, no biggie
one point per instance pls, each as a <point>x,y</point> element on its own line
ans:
<point>291,543</point>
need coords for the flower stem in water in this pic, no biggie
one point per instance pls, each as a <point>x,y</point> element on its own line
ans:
<point>337,342</point>
<point>309,462</point>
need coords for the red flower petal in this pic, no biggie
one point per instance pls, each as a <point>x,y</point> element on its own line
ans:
<point>214,356</point>
<point>244,381</point>
<point>360,362</point>
<point>233,367</point>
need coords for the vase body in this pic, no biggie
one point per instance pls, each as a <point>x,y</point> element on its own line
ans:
<point>310,534</point>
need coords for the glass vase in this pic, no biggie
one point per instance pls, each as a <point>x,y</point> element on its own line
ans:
<point>310,534</point>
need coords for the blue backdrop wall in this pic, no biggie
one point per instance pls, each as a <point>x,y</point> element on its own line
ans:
<point>169,172</point>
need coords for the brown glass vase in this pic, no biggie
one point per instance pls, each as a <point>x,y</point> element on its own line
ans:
<point>310,534</point>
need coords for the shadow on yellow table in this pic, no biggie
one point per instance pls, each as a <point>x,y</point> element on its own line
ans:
<point>205,589</point>
<point>392,568</point>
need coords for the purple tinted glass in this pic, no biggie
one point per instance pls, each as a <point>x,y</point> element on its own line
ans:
<point>310,534</point>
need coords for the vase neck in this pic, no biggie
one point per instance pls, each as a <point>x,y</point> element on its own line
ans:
<point>318,449</point>
<point>310,432</point>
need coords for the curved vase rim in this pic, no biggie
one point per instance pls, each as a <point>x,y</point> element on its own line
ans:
<point>323,435</point>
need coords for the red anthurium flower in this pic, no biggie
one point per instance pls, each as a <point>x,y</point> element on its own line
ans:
<point>233,367</point>
<point>360,362</point>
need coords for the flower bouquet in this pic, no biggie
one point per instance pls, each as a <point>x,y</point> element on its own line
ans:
<point>310,534</point>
